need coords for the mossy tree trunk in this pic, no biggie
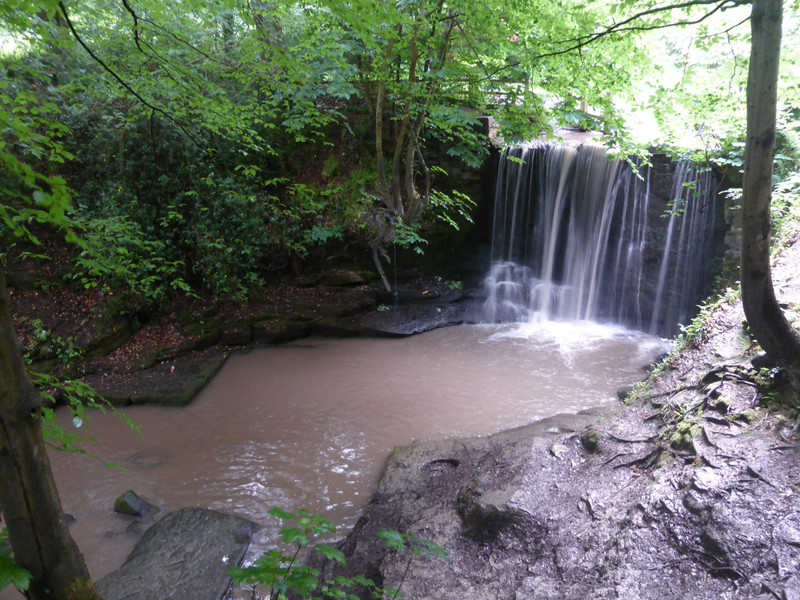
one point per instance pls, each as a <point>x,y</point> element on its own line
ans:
<point>765,318</point>
<point>28,496</point>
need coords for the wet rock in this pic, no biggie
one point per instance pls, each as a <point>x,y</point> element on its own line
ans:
<point>694,503</point>
<point>173,382</point>
<point>487,515</point>
<point>787,546</point>
<point>134,528</point>
<point>706,479</point>
<point>559,450</point>
<point>272,331</point>
<point>184,556</point>
<point>791,589</point>
<point>130,503</point>
<point>624,391</point>
<point>590,439</point>
<point>342,276</point>
<point>539,588</point>
<point>408,319</point>
<point>534,513</point>
<point>440,466</point>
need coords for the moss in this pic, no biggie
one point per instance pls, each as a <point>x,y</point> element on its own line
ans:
<point>723,403</point>
<point>590,439</point>
<point>682,436</point>
<point>751,415</point>
<point>81,589</point>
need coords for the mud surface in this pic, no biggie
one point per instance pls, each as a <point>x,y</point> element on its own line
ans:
<point>692,491</point>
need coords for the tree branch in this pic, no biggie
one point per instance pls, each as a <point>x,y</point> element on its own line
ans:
<point>135,24</point>
<point>121,81</point>
<point>180,39</point>
<point>623,26</point>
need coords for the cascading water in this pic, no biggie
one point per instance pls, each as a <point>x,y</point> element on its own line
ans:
<point>577,236</point>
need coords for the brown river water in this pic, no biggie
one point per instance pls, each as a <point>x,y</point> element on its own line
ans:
<point>310,424</point>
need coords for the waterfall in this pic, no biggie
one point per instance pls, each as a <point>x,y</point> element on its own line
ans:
<point>577,236</point>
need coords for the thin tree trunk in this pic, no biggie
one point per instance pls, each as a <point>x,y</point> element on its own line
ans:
<point>377,260</point>
<point>764,317</point>
<point>31,506</point>
<point>383,185</point>
<point>380,93</point>
<point>400,141</point>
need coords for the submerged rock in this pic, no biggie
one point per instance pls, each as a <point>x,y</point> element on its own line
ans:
<point>184,556</point>
<point>130,503</point>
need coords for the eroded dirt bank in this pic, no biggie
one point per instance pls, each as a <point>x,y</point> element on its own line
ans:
<point>691,492</point>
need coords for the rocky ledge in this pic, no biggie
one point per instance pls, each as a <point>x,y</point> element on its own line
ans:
<point>544,513</point>
<point>168,359</point>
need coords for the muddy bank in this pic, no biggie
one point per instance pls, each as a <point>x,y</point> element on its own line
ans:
<point>168,359</point>
<point>689,492</point>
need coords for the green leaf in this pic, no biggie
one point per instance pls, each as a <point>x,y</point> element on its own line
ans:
<point>277,511</point>
<point>431,549</point>
<point>331,553</point>
<point>294,536</point>
<point>12,574</point>
<point>304,580</point>
<point>365,581</point>
<point>393,540</point>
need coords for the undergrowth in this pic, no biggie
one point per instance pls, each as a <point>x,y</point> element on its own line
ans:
<point>690,335</point>
<point>282,575</point>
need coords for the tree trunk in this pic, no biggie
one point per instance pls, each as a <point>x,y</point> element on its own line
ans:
<point>765,318</point>
<point>28,496</point>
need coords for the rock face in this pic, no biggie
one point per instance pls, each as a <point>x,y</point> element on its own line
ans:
<point>184,556</point>
<point>542,512</point>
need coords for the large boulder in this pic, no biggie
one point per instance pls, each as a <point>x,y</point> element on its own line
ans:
<point>184,556</point>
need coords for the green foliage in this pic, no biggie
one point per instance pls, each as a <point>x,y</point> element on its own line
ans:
<point>401,542</point>
<point>689,335</point>
<point>695,330</point>
<point>73,394</point>
<point>453,207</point>
<point>77,396</point>
<point>46,344</point>
<point>117,253</point>
<point>785,210</point>
<point>407,236</point>
<point>452,284</point>
<point>196,144</point>
<point>30,145</point>
<point>10,573</point>
<point>282,574</point>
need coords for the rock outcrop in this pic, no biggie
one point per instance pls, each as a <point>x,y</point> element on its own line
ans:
<point>540,513</point>
<point>184,556</point>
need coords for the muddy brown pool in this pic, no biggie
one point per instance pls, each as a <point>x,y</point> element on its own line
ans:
<point>310,424</point>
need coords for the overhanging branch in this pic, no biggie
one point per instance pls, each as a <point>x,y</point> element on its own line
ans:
<point>626,25</point>
<point>119,79</point>
<point>135,24</point>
